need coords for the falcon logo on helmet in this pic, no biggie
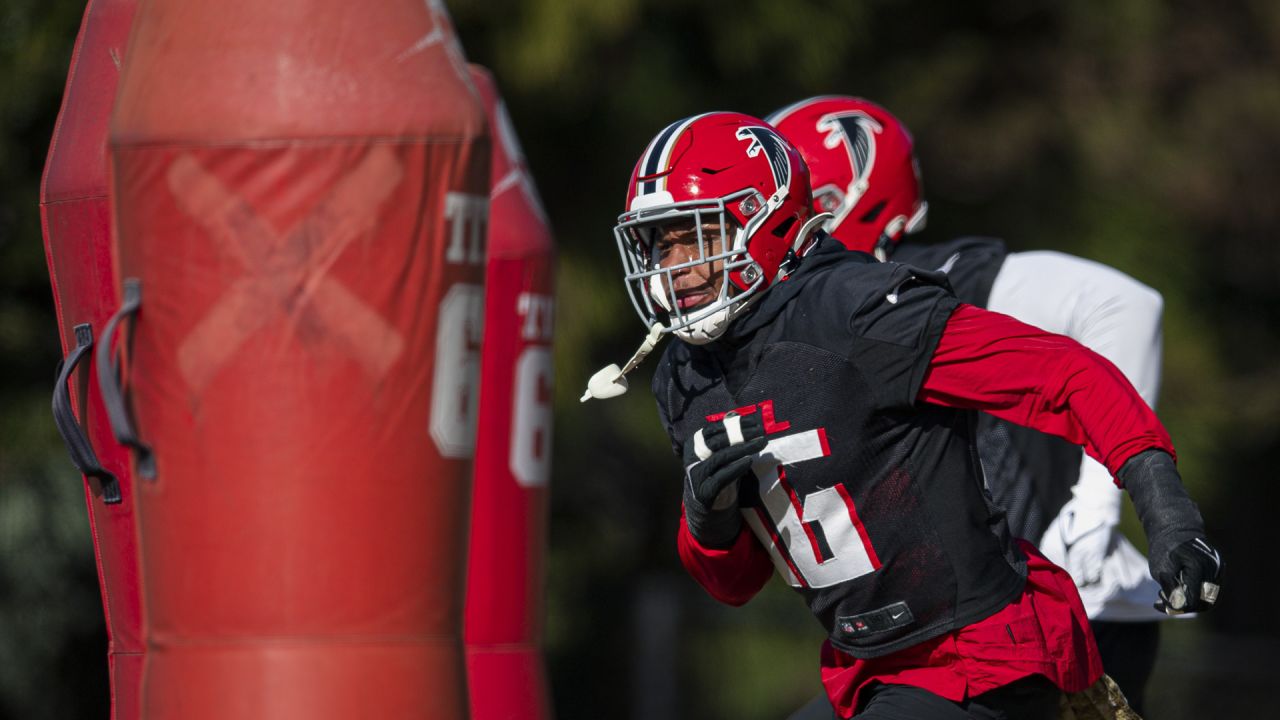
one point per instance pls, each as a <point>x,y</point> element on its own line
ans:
<point>768,141</point>
<point>856,132</point>
<point>862,164</point>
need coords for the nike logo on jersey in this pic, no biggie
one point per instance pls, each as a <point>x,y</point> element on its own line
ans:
<point>890,617</point>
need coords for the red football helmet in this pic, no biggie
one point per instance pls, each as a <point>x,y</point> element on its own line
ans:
<point>742,188</point>
<point>863,169</point>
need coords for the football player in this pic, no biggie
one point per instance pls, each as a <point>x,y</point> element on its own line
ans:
<point>825,425</point>
<point>864,171</point>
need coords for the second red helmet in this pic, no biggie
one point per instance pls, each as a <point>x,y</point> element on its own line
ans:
<point>862,167</point>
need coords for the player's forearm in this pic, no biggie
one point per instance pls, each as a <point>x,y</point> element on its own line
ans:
<point>732,575</point>
<point>1161,500</point>
<point>991,362</point>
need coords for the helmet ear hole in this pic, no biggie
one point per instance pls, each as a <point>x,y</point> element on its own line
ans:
<point>874,212</point>
<point>785,226</point>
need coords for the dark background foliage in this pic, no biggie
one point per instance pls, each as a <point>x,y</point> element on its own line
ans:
<point>1140,133</point>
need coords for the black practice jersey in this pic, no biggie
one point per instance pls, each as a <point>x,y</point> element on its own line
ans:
<point>871,505</point>
<point>1030,473</point>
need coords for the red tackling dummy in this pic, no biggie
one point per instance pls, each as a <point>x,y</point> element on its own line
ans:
<point>301,192</point>
<point>504,612</point>
<point>77,235</point>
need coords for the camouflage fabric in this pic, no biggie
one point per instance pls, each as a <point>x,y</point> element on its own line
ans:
<point>1102,700</point>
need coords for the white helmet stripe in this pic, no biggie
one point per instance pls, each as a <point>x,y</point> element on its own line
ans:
<point>658,156</point>
<point>649,165</point>
<point>670,146</point>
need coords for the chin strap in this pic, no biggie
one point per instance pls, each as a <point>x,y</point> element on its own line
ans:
<point>611,381</point>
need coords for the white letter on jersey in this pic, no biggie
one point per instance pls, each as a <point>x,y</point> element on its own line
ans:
<point>468,217</point>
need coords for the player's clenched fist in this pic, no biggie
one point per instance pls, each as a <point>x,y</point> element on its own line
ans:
<point>716,458</point>
<point>1189,577</point>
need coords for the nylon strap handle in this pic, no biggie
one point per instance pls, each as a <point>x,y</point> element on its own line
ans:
<point>109,382</point>
<point>78,445</point>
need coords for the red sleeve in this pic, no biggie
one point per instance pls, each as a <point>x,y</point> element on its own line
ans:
<point>732,576</point>
<point>991,362</point>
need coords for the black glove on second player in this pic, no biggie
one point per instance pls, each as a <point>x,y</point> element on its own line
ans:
<point>716,458</point>
<point>1187,567</point>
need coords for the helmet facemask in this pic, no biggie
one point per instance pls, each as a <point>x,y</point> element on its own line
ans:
<point>704,239</point>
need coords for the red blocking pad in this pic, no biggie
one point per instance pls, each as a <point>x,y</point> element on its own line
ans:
<point>301,193</point>
<point>504,607</point>
<point>75,214</point>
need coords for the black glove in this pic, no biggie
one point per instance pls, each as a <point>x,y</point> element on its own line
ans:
<point>1198,570</point>
<point>716,458</point>
<point>1187,567</point>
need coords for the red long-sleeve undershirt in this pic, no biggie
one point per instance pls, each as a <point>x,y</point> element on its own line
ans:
<point>991,362</point>
<point>994,363</point>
